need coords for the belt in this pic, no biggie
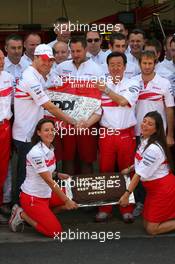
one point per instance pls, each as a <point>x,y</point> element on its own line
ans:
<point>4,121</point>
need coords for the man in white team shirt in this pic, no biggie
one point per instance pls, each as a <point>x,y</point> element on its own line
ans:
<point>118,103</point>
<point>168,56</point>
<point>6,89</point>
<point>30,102</point>
<point>118,43</point>
<point>80,68</point>
<point>136,42</point>
<point>94,51</point>
<point>62,30</point>
<point>31,41</point>
<point>13,63</point>
<point>155,95</point>
<point>155,46</point>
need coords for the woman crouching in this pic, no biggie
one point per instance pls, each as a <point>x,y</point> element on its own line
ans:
<point>152,167</point>
<point>40,193</point>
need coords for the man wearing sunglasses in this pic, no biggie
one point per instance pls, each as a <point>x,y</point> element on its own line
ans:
<point>94,50</point>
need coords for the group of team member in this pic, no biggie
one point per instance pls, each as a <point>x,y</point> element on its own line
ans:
<point>136,89</point>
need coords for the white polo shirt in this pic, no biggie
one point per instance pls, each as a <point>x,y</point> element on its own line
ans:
<point>119,117</point>
<point>132,59</point>
<point>14,69</point>
<point>6,91</point>
<point>87,70</point>
<point>155,97</point>
<point>100,58</point>
<point>39,159</point>
<point>162,70</point>
<point>169,65</point>
<point>150,164</point>
<point>26,61</point>
<point>29,97</point>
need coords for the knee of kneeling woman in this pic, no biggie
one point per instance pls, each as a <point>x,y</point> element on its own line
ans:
<point>151,230</point>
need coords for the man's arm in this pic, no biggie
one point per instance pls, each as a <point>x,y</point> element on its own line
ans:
<point>170,125</point>
<point>121,100</point>
<point>49,106</point>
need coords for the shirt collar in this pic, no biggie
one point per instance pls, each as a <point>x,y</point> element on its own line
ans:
<point>155,80</point>
<point>9,63</point>
<point>37,74</point>
<point>45,148</point>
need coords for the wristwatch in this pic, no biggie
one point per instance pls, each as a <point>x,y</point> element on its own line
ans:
<point>107,90</point>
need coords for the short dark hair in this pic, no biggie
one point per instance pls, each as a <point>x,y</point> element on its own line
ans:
<point>116,54</point>
<point>155,43</point>
<point>13,37</point>
<point>148,54</point>
<point>61,20</point>
<point>36,138</point>
<point>116,36</point>
<point>96,31</point>
<point>138,31</point>
<point>80,39</point>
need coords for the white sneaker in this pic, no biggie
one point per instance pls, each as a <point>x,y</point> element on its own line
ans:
<point>138,209</point>
<point>16,223</point>
<point>102,216</point>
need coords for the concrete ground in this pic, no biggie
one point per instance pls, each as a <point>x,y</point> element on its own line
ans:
<point>80,220</point>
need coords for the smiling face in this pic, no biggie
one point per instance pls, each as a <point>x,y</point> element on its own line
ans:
<point>42,65</point>
<point>136,42</point>
<point>148,127</point>
<point>31,43</point>
<point>61,52</point>
<point>46,133</point>
<point>119,45</point>
<point>116,67</point>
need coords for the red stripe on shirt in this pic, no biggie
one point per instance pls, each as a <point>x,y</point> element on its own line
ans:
<point>50,162</point>
<point>138,156</point>
<point>149,96</point>
<point>6,92</point>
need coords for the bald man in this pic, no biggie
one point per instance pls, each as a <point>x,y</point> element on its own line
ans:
<point>60,51</point>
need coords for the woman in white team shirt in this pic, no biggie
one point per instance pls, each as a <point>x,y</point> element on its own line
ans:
<point>40,193</point>
<point>152,167</point>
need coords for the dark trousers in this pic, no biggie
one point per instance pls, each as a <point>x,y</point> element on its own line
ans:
<point>22,148</point>
<point>139,192</point>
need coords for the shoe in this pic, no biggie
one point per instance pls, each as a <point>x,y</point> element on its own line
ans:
<point>15,206</point>
<point>102,216</point>
<point>138,209</point>
<point>128,218</point>
<point>16,223</point>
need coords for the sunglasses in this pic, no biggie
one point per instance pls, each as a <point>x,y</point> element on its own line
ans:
<point>93,40</point>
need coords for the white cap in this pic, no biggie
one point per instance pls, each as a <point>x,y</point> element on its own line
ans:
<point>45,51</point>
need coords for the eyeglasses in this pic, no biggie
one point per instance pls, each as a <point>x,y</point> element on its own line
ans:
<point>93,40</point>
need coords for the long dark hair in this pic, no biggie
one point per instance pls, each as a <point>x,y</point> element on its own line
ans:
<point>36,138</point>
<point>159,137</point>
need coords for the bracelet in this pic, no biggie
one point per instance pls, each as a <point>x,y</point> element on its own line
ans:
<point>128,191</point>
